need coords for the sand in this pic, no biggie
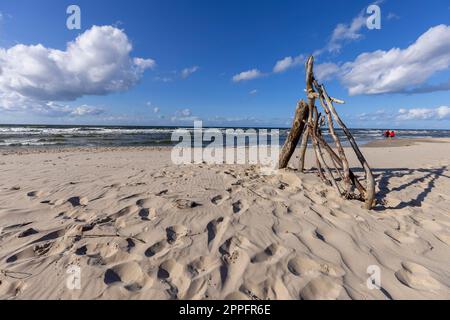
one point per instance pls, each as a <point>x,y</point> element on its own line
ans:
<point>137,227</point>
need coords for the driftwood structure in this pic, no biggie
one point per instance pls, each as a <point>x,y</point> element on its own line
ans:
<point>332,164</point>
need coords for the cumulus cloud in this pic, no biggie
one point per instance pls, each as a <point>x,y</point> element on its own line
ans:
<point>437,114</point>
<point>440,113</point>
<point>326,71</point>
<point>247,75</point>
<point>346,32</point>
<point>288,63</point>
<point>185,73</point>
<point>97,62</point>
<point>397,70</point>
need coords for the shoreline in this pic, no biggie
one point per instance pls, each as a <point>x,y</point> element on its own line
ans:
<point>385,143</point>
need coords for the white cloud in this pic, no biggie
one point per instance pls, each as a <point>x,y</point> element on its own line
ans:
<point>164,79</point>
<point>437,114</point>
<point>443,112</point>
<point>86,110</point>
<point>98,62</point>
<point>183,115</point>
<point>326,71</point>
<point>185,73</point>
<point>400,70</point>
<point>375,116</point>
<point>392,16</point>
<point>156,110</point>
<point>346,33</point>
<point>247,75</point>
<point>253,92</point>
<point>53,109</point>
<point>288,63</point>
<point>440,113</point>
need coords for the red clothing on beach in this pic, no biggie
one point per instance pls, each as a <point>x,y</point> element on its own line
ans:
<point>392,134</point>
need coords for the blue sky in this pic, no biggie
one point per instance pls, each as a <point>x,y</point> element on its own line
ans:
<point>227,63</point>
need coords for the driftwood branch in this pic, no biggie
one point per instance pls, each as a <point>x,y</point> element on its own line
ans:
<point>301,114</point>
<point>308,125</point>
<point>303,148</point>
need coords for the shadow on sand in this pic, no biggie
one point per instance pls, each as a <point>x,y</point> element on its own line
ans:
<point>384,175</point>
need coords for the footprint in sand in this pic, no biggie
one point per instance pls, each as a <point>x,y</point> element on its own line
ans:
<point>102,250</point>
<point>321,288</point>
<point>235,261</point>
<point>169,268</point>
<point>35,194</point>
<point>145,203</point>
<point>271,254</point>
<point>31,252</point>
<point>173,274</point>
<point>78,201</point>
<point>303,266</point>
<point>175,233</point>
<point>185,204</point>
<point>174,237</point>
<point>240,207</point>
<point>147,214</point>
<point>129,274</point>
<point>417,277</point>
<point>219,199</point>
<point>216,229</point>
<point>127,211</point>
<point>203,265</point>
<point>159,248</point>
<point>27,233</point>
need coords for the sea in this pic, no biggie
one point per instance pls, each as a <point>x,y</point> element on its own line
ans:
<point>21,136</point>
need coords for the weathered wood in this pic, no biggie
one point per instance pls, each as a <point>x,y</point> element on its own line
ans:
<point>337,141</point>
<point>301,114</point>
<point>370,181</point>
<point>308,125</point>
<point>319,154</point>
<point>303,147</point>
<point>336,158</point>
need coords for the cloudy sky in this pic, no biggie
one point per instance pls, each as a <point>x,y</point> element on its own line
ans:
<point>226,62</point>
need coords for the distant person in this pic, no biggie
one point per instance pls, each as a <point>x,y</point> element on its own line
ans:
<point>387,133</point>
<point>392,134</point>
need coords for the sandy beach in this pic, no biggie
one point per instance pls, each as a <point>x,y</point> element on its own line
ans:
<point>138,227</point>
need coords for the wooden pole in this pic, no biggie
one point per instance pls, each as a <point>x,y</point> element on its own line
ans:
<point>303,148</point>
<point>370,181</point>
<point>344,161</point>
<point>301,114</point>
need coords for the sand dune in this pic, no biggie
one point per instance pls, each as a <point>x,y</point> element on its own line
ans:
<point>141,228</point>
